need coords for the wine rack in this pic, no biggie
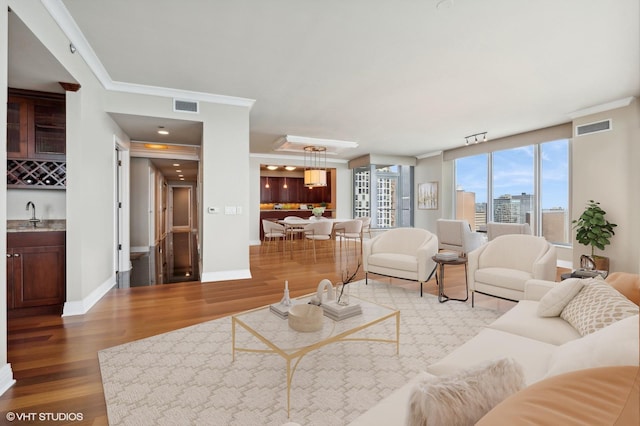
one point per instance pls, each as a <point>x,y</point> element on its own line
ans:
<point>40,174</point>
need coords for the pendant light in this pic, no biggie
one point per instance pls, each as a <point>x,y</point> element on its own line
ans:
<point>315,166</point>
<point>266,185</point>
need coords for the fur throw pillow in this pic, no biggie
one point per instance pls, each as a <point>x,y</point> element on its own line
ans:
<point>465,397</point>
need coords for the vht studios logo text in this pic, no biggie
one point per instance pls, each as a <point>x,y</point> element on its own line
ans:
<point>44,417</point>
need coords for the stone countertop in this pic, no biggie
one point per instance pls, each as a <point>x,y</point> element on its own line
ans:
<point>42,226</point>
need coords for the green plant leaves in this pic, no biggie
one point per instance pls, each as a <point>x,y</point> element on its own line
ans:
<point>592,228</point>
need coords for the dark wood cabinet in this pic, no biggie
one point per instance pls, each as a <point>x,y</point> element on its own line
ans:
<point>36,140</point>
<point>36,280</point>
<point>295,192</point>
<point>290,194</point>
<point>270,194</point>
<point>36,125</point>
<point>17,128</point>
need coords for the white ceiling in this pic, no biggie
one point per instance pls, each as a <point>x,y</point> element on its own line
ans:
<point>401,77</point>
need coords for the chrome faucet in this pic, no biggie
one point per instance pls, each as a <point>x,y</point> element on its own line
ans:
<point>33,219</point>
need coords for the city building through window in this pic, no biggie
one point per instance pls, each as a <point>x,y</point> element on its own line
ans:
<point>528,184</point>
<point>385,194</point>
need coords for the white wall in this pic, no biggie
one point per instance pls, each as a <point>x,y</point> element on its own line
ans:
<point>139,205</point>
<point>605,169</point>
<point>6,374</point>
<point>432,169</point>
<point>91,159</point>
<point>225,183</point>
<point>50,203</point>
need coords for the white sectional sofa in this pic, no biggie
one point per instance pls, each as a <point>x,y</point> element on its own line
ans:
<point>543,346</point>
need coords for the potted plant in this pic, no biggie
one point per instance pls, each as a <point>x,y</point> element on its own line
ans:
<point>593,229</point>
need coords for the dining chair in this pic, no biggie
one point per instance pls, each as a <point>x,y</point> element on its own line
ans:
<point>272,231</point>
<point>366,224</point>
<point>319,231</point>
<point>349,230</point>
<point>294,226</point>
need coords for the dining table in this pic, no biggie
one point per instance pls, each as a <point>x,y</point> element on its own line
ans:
<point>296,226</point>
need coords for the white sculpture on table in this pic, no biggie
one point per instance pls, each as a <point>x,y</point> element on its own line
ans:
<point>325,285</point>
<point>286,301</point>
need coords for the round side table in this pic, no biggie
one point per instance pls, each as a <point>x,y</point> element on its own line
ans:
<point>440,264</point>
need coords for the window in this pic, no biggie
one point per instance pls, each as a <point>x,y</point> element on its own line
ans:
<point>528,184</point>
<point>471,190</point>
<point>384,193</point>
<point>554,191</point>
<point>512,184</point>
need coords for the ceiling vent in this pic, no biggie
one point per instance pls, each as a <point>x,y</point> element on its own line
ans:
<point>180,105</point>
<point>597,127</point>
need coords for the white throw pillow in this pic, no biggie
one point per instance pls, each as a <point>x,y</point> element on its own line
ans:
<point>597,306</point>
<point>616,344</point>
<point>554,301</point>
<point>465,397</point>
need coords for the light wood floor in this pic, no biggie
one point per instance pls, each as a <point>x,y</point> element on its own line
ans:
<point>54,360</point>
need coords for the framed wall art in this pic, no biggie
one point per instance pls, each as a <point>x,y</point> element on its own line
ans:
<point>428,196</point>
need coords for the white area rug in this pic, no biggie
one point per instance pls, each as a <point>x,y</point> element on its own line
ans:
<point>186,377</point>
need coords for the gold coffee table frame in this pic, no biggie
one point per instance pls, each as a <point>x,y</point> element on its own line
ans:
<point>292,345</point>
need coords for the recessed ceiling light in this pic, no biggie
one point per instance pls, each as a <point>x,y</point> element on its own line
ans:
<point>162,131</point>
<point>181,178</point>
<point>176,164</point>
<point>272,167</point>
<point>155,146</point>
<point>178,171</point>
<point>180,175</point>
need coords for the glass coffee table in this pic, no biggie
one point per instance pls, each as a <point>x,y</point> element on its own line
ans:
<point>292,345</point>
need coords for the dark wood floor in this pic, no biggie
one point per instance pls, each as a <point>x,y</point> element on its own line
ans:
<point>54,359</point>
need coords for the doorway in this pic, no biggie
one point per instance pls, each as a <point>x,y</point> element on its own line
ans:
<point>181,253</point>
<point>166,205</point>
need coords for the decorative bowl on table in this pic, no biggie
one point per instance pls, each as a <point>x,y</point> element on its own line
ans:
<point>305,317</point>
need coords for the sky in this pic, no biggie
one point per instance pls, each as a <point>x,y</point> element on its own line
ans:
<point>513,173</point>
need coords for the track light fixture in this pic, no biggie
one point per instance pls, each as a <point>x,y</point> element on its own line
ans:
<point>476,138</point>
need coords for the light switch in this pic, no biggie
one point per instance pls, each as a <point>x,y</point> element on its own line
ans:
<point>238,209</point>
<point>213,210</point>
<point>229,210</point>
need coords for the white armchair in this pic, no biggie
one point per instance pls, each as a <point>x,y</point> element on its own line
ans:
<point>495,229</point>
<point>457,235</point>
<point>501,267</point>
<point>403,253</point>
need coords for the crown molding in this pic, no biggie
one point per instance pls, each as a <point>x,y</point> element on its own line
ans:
<point>293,157</point>
<point>620,103</point>
<point>429,154</point>
<point>67,24</point>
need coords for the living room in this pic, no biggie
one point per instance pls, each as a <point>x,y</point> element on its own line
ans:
<point>602,164</point>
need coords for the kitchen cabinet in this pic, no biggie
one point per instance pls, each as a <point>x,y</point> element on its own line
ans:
<point>290,194</point>
<point>272,193</point>
<point>295,192</point>
<point>36,125</point>
<point>36,280</point>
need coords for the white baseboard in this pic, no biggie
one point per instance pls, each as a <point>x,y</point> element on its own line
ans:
<point>239,274</point>
<point>6,378</point>
<point>255,242</point>
<point>565,264</point>
<point>139,249</point>
<point>81,307</point>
